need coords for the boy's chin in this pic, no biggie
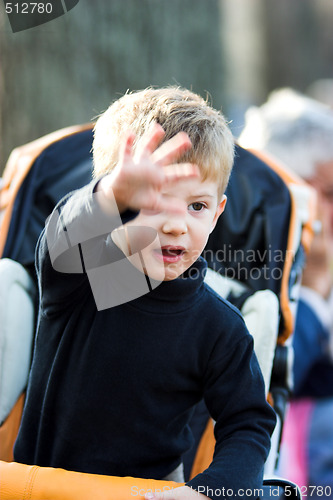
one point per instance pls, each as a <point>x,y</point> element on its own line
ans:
<point>171,273</point>
<point>154,271</point>
<point>158,272</point>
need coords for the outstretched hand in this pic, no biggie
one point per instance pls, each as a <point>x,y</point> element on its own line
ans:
<point>137,182</point>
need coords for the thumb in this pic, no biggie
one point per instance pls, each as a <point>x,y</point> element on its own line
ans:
<point>151,496</point>
<point>154,496</point>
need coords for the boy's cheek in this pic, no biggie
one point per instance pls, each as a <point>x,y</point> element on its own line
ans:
<point>132,239</point>
<point>146,262</point>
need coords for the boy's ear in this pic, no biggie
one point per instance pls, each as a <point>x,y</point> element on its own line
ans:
<point>219,211</point>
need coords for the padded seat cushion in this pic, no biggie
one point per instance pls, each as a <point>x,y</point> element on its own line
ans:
<point>17,295</point>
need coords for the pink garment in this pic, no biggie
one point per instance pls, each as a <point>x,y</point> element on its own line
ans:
<point>293,464</point>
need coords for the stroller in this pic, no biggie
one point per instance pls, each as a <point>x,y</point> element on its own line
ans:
<point>264,288</point>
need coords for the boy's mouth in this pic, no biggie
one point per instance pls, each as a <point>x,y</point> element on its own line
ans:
<point>169,253</point>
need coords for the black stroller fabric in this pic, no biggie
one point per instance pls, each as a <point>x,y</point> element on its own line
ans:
<point>62,167</point>
<point>250,239</point>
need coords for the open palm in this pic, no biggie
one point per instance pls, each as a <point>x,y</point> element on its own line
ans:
<point>139,179</point>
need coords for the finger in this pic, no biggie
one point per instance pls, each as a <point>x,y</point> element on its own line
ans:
<point>171,150</point>
<point>158,496</point>
<point>150,496</point>
<point>172,205</point>
<point>126,148</point>
<point>180,171</point>
<point>150,141</point>
<point>164,203</point>
<point>136,238</point>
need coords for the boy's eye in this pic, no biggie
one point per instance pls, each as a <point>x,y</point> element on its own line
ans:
<point>197,206</point>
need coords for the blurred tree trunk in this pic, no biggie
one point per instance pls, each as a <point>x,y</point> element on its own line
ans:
<point>243,41</point>
<point>70,69</point>
<point>299,42</point>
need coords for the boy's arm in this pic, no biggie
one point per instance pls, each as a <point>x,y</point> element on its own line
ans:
<point>235,397</point>
<point>59,260</point>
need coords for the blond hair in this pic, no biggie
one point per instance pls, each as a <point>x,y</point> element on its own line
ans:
<point>175,109</point>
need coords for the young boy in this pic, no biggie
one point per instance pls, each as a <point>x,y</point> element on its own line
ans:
<point>126,346</point>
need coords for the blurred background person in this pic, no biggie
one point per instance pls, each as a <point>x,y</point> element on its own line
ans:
<point>299,131</point>
<point>322,91</point>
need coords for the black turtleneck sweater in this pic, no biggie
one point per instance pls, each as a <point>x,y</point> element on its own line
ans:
<point>112,391</point>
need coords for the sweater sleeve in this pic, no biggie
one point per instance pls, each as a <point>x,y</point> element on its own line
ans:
<point>235,397</point>
<point>74,241</point>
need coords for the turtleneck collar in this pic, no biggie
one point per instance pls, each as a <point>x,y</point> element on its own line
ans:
<point>175,295</point>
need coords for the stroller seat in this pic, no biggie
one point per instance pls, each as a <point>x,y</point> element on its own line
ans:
<point>17,312</point>
<point>62,163</point>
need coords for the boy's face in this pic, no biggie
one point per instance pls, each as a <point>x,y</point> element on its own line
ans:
<point>181,236</point>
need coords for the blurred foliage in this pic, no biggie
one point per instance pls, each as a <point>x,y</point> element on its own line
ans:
<point>69,70</point>
<point>299,38</point>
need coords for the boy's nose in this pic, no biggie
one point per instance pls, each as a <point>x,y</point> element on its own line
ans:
<point>174,224</point>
